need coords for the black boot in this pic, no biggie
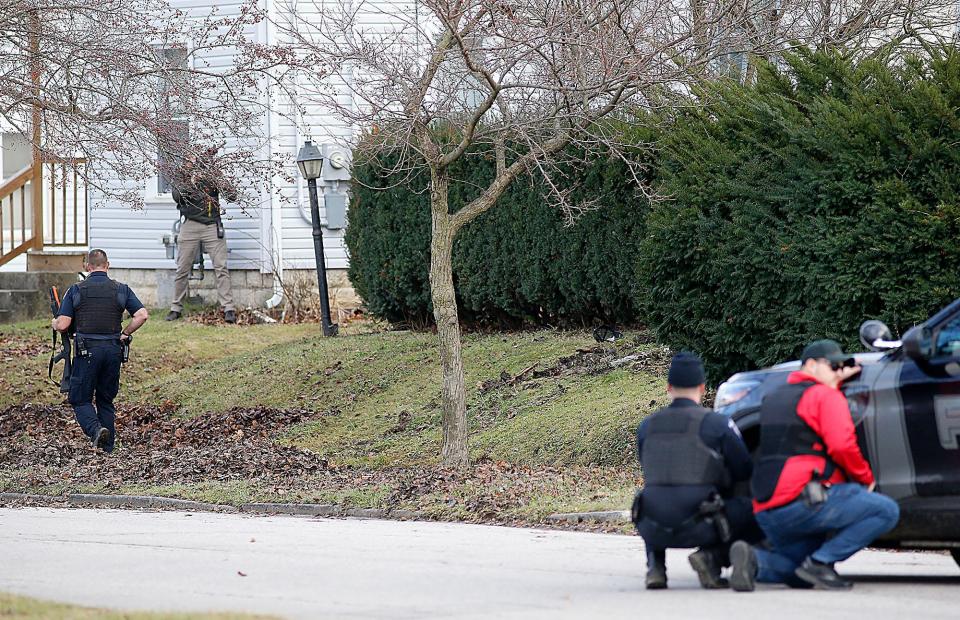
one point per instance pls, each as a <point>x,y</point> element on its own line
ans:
<point>229,316</point>
<point>707,566</point>
<point>821,575</point>
<point>743,560</point>
<point>657,577</point>
<point>173,315</point>
<point>102,438</point>
<point>656,570</point>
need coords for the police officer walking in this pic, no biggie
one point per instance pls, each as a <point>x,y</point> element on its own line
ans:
<point>95,308</point>
<point>813,490</point>
<point>691,458</point>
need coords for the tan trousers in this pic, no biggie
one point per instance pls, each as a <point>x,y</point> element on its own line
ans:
<point>191,235</point>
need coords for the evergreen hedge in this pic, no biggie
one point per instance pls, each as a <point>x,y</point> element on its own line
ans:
<point>516,264</point>
<point>823,194</point>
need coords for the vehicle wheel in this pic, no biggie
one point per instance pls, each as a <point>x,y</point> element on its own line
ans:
<point>956,555</point>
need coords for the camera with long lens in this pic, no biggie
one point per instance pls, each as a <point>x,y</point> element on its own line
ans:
<point>847,363</point>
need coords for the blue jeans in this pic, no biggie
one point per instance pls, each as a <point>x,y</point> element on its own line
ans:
<point>854,517</point>
<point>94,384</point>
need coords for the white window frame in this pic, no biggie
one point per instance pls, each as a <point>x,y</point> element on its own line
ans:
<point>152,194</point>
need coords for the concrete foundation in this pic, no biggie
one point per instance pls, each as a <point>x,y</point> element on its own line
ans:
<point>250,287</point>
<point>25,295</point>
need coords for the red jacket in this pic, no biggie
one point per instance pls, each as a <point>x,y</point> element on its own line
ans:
<point>825,410</point>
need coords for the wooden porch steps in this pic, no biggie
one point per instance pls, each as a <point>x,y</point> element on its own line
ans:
<point>55,261</point>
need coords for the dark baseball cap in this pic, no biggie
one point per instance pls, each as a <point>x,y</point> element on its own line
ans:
<point>686,370</point>
<point>824,349</point>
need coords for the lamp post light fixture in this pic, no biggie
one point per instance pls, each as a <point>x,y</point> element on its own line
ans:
<point>310,162</point>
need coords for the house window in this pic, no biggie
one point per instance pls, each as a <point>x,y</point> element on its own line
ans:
<point>172,137</point>
<point>173,126</point>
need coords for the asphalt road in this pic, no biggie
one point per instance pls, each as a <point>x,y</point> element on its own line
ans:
<point>335,568</point>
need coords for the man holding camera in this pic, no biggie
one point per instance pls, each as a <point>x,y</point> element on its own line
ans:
<point>812,488</point>
<point>197,195</point>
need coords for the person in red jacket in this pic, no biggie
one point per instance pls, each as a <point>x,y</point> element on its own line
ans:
<point>812,489</point>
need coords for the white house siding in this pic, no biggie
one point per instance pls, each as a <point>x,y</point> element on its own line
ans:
<point>321,126</point>
<point>132,238</point>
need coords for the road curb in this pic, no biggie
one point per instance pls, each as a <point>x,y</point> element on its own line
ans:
<point>145,501</point>
<point>603,516</point>
<point>263,508</point>
<point>303,510</point>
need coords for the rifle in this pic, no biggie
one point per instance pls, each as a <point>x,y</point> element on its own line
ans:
<point>65,348</point>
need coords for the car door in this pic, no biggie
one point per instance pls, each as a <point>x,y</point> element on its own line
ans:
<point>929,389</point>
<point>877,408</point>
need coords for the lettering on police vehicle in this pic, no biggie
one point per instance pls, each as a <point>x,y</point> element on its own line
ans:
<point>947,410</point>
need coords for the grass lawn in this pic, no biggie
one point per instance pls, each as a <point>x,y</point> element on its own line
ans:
<point>12,606</point>
<point>542,400</point>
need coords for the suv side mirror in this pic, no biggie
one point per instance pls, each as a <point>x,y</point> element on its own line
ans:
<point>916,343</point>
<point>876,336</point>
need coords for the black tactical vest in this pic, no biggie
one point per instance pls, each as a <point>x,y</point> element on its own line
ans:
<point>98,309</point>
<point>675,454</point>
<point>784,434</point>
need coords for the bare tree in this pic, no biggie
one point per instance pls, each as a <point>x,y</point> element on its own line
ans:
<point>119,82</point>
<point>529,82</point>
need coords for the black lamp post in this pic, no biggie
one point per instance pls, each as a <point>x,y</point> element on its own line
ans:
<point>310,162</point>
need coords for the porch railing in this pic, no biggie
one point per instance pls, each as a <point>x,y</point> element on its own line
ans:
<point>16,215</point>
<point>65,203</point>
<point>45,208</point>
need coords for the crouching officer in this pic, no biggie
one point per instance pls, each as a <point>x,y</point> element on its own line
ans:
<point>95,308</point>
<point>813,490</point>
<point>691,458</point>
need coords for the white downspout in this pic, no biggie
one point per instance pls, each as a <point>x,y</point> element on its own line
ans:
<point>273,144</point>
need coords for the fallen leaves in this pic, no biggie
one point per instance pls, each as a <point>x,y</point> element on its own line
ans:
<point>155,447</point>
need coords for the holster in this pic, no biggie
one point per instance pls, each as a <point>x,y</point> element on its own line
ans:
<point>81,347</point>
<point>711,510</point>
<point>814,493</point>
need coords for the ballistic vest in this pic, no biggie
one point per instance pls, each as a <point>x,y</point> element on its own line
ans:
<point>98,309</point>
<point>674,454</point>
<point>783,434</point>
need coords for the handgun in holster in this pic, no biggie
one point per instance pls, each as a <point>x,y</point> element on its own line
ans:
<point>80,346</point>
<point>711,509</point>
<point>814,492</point>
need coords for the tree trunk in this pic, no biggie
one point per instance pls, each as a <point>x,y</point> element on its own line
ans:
<point>454,397</point>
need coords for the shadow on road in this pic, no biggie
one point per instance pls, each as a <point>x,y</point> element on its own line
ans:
<point>916,579</point>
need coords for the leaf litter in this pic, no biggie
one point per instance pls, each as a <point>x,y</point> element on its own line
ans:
<point>42,446</point>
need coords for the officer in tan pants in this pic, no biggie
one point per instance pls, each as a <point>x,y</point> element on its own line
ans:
<point>198,199</point>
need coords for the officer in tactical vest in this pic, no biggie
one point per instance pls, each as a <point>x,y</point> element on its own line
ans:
<point>812,488</point>
<point>691,458</point>
<point>196,190</point>
<point>95,308</point>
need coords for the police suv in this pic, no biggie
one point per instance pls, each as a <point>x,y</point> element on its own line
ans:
<point>906,408</point>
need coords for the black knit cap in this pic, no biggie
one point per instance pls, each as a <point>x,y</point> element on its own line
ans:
<point>686,370</point>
